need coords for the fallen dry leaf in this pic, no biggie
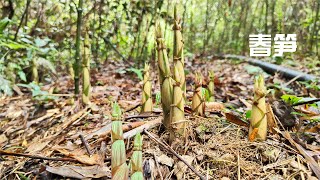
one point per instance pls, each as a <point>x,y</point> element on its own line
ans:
<point>180,168</point>
<point>80,172</point>
<point>81,157</point>
<point>235,119</point>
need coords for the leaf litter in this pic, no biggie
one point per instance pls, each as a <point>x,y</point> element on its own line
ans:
<point>217,146</point>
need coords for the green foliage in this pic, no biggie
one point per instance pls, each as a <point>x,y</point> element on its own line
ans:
<point>5,86</point>
<point>291,99</point>
<point>37,93</point>
<point>158,98</point>
<point>313,84</point>
<point>138,72</point>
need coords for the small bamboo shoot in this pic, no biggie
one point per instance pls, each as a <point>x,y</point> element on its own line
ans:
<point>136,159</point>
<point>197,99</point>
<point>211,86</point>
<point>119,168</point>
<point>258,122</point>
<point>146,93</point>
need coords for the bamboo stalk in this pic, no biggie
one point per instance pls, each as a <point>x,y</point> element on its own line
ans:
<point>35,75</point>
<point>146,93</point>
<point>178,123</point>
<point>211,86</point>
<point>164,77</point>
<point>258,122</point>
<point>136,159</point>
<point>77,62</point>
<point>86,87</point>
<point>197,99</point>
<point>119,168</point>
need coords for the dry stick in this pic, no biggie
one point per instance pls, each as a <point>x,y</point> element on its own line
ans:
<point>84,142</point>
<point>174,153</point>
<point>141,116</point>
<point>4,153</point>
<point>157,164</point>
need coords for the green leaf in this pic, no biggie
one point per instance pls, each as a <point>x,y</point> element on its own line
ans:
<point>291,99</point>
<point>137,71</point>
<point>248,114</point>
<point>3,23</point>
<point>5,86</point>
<point>41,42</point>
<point>22,76</point>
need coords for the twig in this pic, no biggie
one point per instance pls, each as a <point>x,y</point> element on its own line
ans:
<point>174,153</point>
<point>239,172</point>
<point>132,108</point>
<point>4,153</point>
<point>84,142</point>
<point>157,164</point>
<point>140,116</point>
<point>148,125</point>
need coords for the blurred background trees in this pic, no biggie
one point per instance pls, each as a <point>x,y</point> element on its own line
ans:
<point>43,33</point>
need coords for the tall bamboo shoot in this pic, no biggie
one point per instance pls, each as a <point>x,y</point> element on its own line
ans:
<point>178,123</point>
<point>164,77</point>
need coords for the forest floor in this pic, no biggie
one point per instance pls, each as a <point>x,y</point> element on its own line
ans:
<point>41,126</point>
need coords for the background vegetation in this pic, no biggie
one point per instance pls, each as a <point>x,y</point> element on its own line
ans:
<point>43,33</point>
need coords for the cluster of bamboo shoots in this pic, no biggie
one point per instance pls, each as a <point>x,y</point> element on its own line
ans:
<point>173,88</point>
<point>119,167</point>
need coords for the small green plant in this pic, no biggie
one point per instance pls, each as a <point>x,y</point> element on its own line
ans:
<point>37,93</point>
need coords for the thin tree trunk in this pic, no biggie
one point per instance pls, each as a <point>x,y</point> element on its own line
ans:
<point>184,15</point>
<point>77,62</point>
<point>266,18</point>
<point>205,36</point>
<point>314,34</point>
<point>22,18</point>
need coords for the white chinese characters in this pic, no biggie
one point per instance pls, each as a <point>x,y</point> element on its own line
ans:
<point>260,44</point>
